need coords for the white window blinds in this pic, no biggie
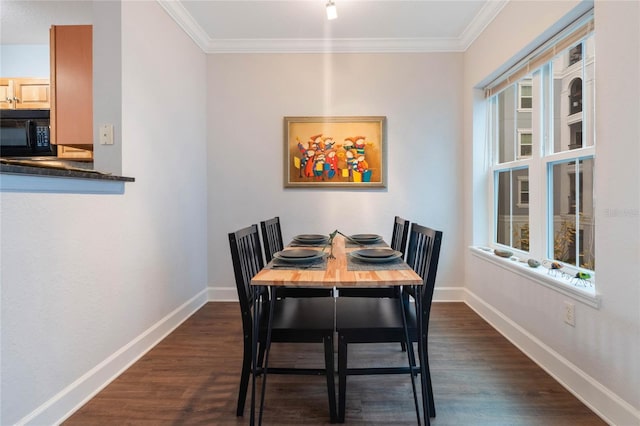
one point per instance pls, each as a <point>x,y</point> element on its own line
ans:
<point>570,35</point>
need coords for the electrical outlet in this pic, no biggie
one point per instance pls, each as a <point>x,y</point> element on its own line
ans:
<point>570,313</point>
<point>106,134</point>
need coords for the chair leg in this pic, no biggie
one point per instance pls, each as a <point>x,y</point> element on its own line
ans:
<point>342,377</point>
<point>412,360</point>
<point>244,376</point>
<point>331,384</point>
<point>432,404</point>
<point>261,351</point>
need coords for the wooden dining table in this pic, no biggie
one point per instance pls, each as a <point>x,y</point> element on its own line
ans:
<point>337,274</point>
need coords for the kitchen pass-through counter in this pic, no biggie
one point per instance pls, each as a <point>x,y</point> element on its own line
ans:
<point>33,175</point>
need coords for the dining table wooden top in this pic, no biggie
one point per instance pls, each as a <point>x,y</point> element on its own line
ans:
<point>336,273</point>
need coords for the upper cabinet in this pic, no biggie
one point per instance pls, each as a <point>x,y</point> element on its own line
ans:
<point>72,85</point>
<point>24,93</point>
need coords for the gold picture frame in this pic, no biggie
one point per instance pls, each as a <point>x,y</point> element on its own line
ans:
<point>335,152</point>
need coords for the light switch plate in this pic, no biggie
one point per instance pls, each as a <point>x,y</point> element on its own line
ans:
<point>106,134</point>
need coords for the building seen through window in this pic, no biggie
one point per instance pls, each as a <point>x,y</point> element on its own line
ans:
<point>534,123</point>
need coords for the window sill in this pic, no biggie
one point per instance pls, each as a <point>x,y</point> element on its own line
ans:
<point>540,275</point>
<point>18,178</point>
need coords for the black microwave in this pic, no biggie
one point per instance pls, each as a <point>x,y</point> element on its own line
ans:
<point>25,133</point>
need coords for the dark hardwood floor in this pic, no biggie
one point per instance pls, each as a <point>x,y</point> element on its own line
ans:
<point>191,377</point>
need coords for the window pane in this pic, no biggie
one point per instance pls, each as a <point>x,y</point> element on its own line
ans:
<point>526,103</point>
<point>573,224</point>
<point>512,202</point>
<point>513,115</point>
<point>573,95</point>
<point>506,124</point>
<point>503,225</point>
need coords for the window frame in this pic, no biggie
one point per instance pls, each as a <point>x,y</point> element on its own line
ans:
<point>539,163</point>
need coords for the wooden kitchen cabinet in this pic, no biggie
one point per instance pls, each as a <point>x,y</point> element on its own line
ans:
<point>72,85</point>
<point>25,93</point>
<point>74,153</point>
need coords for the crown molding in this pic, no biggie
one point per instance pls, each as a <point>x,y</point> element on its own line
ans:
<point>176,10</point>
<point>487,14</point>
<point>344,45</point>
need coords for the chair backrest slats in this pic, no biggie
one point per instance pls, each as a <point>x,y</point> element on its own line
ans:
<point>399,235</point>
<point>422,255</point>
<point>271,237</point>
<point>246,256</point>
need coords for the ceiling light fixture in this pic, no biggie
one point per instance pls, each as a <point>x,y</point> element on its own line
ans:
<point>332,12</point>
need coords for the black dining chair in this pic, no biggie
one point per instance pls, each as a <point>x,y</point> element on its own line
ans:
<point>380,320</point>
<point>294,320</point>
<point>399,243</point>
<point>272,242</point>
<point>271,237</point>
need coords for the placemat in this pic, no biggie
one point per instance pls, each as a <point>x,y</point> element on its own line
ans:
<point>318,265</point>
<point>354,264</point>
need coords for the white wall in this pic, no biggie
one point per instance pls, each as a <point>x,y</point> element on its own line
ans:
<point>86,278</point>
<point>24,60</point>
<point>598,358</point>
<point>250,94</point>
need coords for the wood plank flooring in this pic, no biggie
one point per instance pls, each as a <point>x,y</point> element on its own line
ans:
<point>191,378</point>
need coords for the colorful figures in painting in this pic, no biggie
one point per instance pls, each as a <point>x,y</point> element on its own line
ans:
<point>323,159</point>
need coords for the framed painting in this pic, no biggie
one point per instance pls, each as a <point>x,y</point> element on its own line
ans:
<point>335,152</point>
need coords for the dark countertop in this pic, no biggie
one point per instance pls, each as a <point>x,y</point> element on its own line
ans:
<point>60,169</point>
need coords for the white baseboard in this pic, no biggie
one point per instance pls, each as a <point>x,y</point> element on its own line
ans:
<point>78,393</point>
<point>606,404</point>
<point>222,294</point>
<point>448,294</point>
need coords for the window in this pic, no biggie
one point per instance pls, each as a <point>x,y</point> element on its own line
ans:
<point>525,140</point>
<point>525,98</point>
<point>511,132</point>
<point>575,96</point>
<point>572,212</point>
<point>575,54</point>
<point>575,135</point>
<point>541,130</point>
<point>523,191</point>
<point>512,215</point>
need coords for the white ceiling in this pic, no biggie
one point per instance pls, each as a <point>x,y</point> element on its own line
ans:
<point>361,26</point>
<point>284,25</point>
